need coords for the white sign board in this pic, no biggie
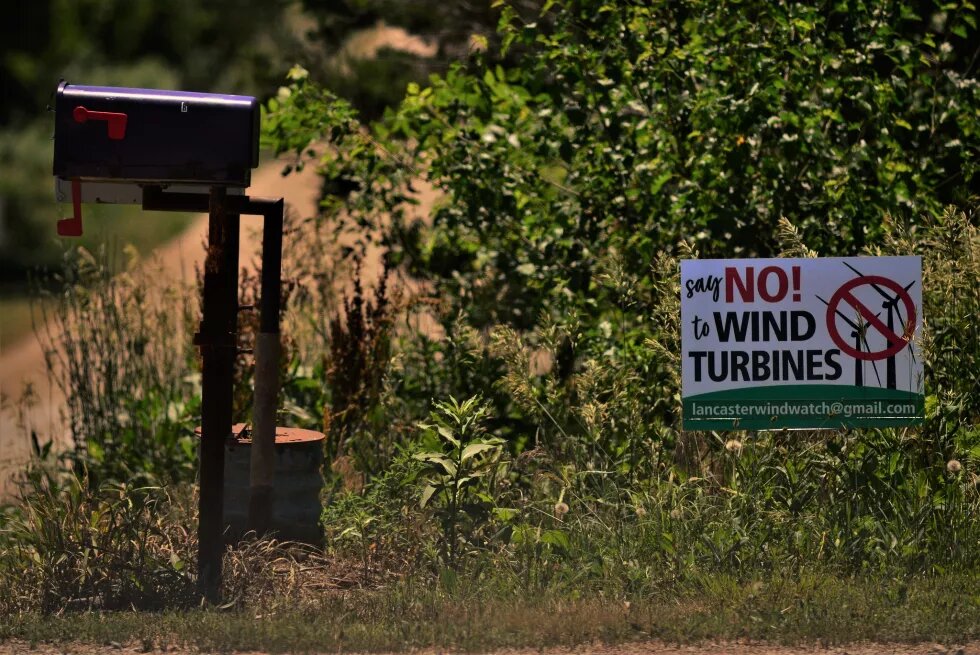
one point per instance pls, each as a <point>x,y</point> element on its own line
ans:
<point>801,343</point>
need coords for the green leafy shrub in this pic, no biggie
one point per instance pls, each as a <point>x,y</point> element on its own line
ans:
<point>568,177</point>
<point>629,133</point>
<point>628,128</point>
<point>462,468</point>
<point>382,527</point>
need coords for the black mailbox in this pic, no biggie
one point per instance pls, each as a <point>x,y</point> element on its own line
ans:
<point>118,140</point>
<point>107,133</point>
<point>179,151</point>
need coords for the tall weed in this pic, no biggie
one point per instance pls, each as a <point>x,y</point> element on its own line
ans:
<point>117,345</point>
<point>71,544</point>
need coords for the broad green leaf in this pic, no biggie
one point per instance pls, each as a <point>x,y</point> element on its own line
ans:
<point>427,495</point>
<point>506,513</point>
<point>475,449</point>
<point>556,538</point>
<point>447,434</point>
<point>351,532</point>
<point>438,458</point>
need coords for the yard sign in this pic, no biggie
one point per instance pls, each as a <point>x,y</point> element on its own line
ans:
<point>801,343</point>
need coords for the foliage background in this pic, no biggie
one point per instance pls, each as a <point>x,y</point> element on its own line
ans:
<point>571,178</point>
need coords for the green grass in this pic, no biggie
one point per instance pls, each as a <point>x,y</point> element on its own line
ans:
<point>480,615</point>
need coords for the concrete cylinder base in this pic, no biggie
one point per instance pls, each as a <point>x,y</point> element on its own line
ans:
<point>298,482</point>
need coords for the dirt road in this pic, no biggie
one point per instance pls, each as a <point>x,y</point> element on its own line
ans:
<point>639,648</point>
<point>22,364</point>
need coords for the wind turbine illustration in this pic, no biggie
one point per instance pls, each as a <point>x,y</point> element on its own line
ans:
<point>891,305</point>
<point>859,333</point>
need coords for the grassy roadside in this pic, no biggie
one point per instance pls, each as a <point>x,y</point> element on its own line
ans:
<point>479,615</point>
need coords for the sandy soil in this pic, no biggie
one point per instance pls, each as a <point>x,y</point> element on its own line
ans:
<point>640,648</point>
<point>22,364</point>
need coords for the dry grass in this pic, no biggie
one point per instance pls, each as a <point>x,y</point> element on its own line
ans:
<point>479,616</point>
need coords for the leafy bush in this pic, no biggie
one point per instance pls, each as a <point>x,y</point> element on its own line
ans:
<point>628,128</point>
<point>567,178</point>
<point>606,493</point>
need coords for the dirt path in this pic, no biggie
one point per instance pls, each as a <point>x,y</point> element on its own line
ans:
<point>639,648</point>
<point>22,364</point>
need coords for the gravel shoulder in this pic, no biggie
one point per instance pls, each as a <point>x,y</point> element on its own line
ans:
<point>637,648</point>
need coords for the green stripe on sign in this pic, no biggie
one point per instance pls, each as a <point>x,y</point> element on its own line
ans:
<point>802,406</point>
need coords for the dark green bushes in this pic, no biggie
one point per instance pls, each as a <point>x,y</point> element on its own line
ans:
<point>628,128</point>
<point>627,135</point>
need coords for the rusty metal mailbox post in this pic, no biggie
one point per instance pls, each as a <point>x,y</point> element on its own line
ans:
<point>183,151</point>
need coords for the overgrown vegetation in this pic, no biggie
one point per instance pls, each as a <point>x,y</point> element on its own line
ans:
<point>118,348</point>
<point>526,444</point>
<point>81,546</point>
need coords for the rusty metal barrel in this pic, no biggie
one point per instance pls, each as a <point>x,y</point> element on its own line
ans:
<point>296,505</point>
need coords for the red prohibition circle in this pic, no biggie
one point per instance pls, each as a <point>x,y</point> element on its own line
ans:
<point>844,294</point>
